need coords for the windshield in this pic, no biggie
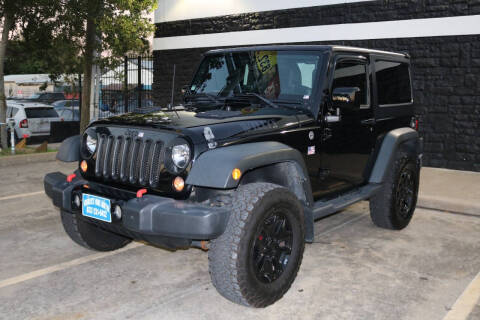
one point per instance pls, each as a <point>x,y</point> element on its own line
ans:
<point>276,75</point>
<point>34,96</point>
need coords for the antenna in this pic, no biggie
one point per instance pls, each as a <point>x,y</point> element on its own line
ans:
<point>171,106</point>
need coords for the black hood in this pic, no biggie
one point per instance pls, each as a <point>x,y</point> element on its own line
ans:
<point>224,124</point>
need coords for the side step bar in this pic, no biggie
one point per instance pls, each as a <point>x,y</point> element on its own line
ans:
<point>325,208</point>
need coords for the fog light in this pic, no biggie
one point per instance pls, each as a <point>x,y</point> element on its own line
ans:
<point>76,201</point>
<point>117,212</point>
<point>84,166</point>
<point>178,184</point>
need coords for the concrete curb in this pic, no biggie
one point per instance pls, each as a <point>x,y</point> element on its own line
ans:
<point>7,161</point>
<point>453,205</point>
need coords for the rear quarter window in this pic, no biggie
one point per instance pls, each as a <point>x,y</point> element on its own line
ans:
<point>393,82</point>
<point>41,113</point>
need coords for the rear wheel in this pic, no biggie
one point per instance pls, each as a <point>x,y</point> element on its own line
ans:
<point>257,258</point>
<point>90,236</point>
<point>393,206</point>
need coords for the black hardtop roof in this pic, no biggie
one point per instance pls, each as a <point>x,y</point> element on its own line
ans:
<point>310,48</point>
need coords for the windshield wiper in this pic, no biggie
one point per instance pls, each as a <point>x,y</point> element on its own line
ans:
<point>258,96</point>
<point>209,96</point>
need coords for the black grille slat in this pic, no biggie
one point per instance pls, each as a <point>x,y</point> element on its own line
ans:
<point>145,163</point>
<point>100,156</point>
<point>124,159</point>
<point>117,158</point>
<point>107,157</point>
<point>134,161</point>
<point>156,164</point>
<point>129,160</point>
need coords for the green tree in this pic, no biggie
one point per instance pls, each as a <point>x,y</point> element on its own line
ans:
<point>113,27</point>
<point>70,36</point>
<point>15,17</point>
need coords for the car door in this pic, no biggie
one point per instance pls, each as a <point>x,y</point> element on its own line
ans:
<point>348,133</point>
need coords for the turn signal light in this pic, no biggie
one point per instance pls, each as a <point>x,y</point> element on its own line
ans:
<point>84,166</point>
<point>236,174</point>
<point>178,184</point>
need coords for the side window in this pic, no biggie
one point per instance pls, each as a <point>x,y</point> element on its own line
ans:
<point>14,112</point>
<point>9,112</point>
<point>393,82</point>
<point>350,73</point>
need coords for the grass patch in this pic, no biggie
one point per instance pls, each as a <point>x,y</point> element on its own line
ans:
<point>26,150</point>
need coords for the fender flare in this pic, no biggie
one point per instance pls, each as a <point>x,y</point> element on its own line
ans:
<point>390,145</point>
<point>213,168</point>
<point>69,150</point>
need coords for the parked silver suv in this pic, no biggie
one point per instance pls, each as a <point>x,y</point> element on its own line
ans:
<point>31,119</point>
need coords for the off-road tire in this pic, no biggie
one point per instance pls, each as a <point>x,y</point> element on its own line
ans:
<point>230,255</point>
<point>384,208</point>
<point>90,236</point>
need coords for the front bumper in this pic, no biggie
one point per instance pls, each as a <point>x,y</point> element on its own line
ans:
<point>163,221</point>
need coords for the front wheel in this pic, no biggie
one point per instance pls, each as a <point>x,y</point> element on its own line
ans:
<point>90,236</point>
<point>255,261</point>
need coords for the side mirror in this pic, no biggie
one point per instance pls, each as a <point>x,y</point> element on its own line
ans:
<point>346,98</point>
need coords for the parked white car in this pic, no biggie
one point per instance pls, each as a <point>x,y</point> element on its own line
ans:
<point>31,119</point>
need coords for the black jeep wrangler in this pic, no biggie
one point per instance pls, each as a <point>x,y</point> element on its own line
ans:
<point>268,140</point>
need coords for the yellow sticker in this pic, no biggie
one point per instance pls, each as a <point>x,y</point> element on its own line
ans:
<point>266,60</point>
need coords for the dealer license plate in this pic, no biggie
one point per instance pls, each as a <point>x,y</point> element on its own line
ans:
<point>96,207</point>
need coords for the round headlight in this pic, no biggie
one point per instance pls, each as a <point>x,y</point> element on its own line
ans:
<point>91,143</point>
<point>181,155</point>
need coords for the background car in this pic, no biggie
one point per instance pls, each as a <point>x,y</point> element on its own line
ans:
<point>69,113</point>
<point>42,97</point>
<point>31,119</point>
<point>66,104</point>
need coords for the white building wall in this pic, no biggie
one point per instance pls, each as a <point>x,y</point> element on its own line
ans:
<point>172,10</point>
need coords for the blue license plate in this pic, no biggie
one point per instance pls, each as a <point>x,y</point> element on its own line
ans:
<point>96,207</point>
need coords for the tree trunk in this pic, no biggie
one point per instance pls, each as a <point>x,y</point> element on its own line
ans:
<point>90,41</point>
<point>7,25</point>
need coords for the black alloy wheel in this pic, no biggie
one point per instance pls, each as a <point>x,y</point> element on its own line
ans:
<point>255,261</point>
<point>272,247</point>
<point>405,192</point>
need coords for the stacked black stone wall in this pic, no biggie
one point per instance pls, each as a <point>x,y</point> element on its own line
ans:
<point>446,74</point>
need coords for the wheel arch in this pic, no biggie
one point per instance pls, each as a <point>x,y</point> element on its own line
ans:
<point>69,150</point>
<point>258,160</point>
<point>271,162</point>
<point>404,139</point>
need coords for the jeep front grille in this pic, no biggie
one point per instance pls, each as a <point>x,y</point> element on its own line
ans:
<point>129,160</point>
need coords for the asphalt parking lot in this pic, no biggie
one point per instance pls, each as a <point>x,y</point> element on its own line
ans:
<point>352,271</point>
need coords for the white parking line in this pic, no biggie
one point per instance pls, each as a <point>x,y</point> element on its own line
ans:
<point>21,195</point>
<point>64,265</point>
<point>466,302</point>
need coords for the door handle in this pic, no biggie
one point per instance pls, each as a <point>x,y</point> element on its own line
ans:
<point>368,122</point>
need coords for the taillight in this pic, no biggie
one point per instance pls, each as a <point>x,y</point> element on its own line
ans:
<point>24,123</point>
<point>414,123</point>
